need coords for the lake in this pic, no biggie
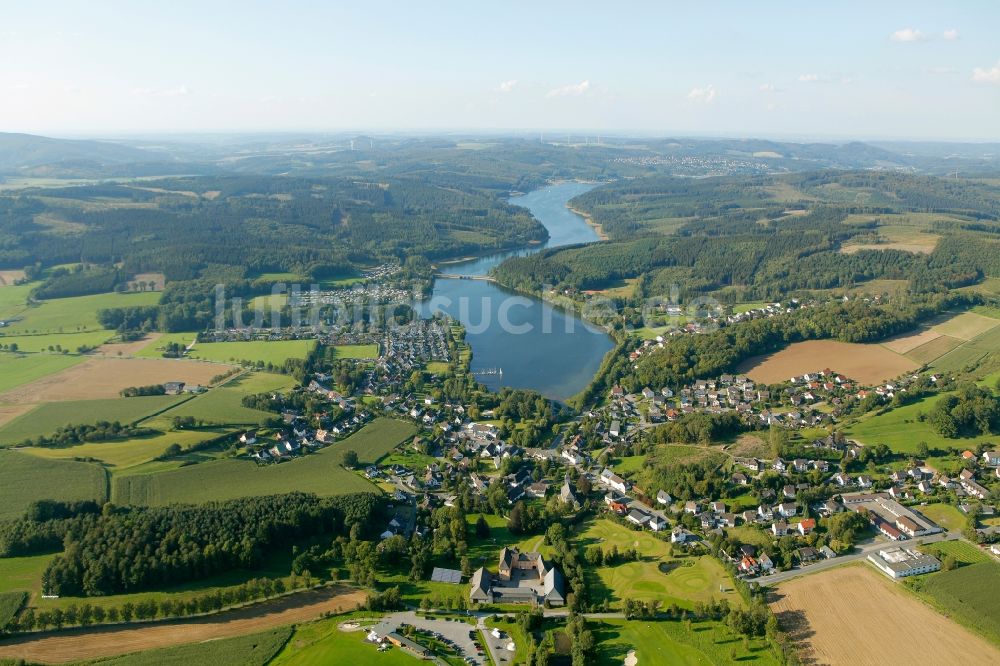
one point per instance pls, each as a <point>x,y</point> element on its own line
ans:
<point>536,345</point>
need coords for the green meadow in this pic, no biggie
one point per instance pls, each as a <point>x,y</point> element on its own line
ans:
<point>73,315</point>
<point>273,351</point>
<point>17,369</point>
<point>232,478</point>
<point>44,419</point>
<point>25,479</point>
<point>670,643</point>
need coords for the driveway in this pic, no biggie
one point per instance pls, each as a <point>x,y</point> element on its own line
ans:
<point>457,632</point>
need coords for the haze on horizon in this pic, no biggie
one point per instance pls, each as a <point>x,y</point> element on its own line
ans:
<point>904,70</point>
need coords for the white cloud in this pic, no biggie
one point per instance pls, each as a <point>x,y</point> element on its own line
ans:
<point>983,75</point>
<point>767,88</point>
<point>177,91</point>
<point>951,34</point>
<point>808,78</point>
<point>573,90</point>
<point>507,86</point>
<point>907,35</point>
<point>706,94</point>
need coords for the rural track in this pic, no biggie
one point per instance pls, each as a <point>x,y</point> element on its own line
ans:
<point>98,642</point>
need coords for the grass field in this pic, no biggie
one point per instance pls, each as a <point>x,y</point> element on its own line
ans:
<point>155,347</point>
<point>13,299</point>
<point>67,341</point>
<point>23,573</point>
<point>320,643</point>
<point>968,595</point>
<point>319,473</point>
<point>25,479</point>
<point>944,515</point>
<point>966,326</point>
<point>688,581</point>
<point>275,352</point>
<point>71,315</point>
<point>900,430</point>
<point>868,364</point>
<point>224,405</point>
<point>904,238</point>
<point>129,453</point>
<point>669,643</point>
<point>43,420</point>
<point>356,351</point>
<point>10,606</point>
<point>831,616</point>
<point>17,369</point>
<point>933,350</point>
<point>251,650</point>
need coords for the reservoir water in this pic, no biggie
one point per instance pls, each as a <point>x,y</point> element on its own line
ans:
<point>536,345</point>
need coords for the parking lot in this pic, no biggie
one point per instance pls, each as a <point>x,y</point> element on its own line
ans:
<point>455,633</point>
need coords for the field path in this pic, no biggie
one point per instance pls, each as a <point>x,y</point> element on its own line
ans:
<point>94,643</point>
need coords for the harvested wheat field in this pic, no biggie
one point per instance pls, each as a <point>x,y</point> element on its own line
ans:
<point>868,364</point>
<point>10,412</point>
<point>127,348</point>
<point>855,615</point>
<point>910,341</point>
<point>86,644</point>
<point>9,277</point>
<point>103,377</point>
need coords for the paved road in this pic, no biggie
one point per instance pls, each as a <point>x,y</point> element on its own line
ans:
<point>863,551</point>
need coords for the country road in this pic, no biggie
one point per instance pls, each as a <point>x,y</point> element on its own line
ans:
<point>862,552</point>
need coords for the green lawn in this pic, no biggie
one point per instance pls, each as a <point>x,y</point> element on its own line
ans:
<point>751,535</point>
<point>17,369</point>
<point>668,642</point>
<point>43,420</point>
<point>249,650</point>
<point>73,315</point>
<point>319,473</point>
<point>25,479</point>
<point>356,351</point>
<point>321,643</point>
<point>275,352</point>
<point>944,515</point>
<point>687,581</point>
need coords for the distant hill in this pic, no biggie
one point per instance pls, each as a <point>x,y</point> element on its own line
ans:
<point>19,152</point>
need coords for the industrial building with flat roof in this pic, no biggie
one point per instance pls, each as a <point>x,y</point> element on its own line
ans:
<point>902,562</point>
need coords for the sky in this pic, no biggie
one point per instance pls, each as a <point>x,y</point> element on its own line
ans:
<point>852,70</point>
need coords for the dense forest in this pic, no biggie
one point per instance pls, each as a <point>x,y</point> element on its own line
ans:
<point>736,238</point>
<point>127,549</point>
<point>229,228</point>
